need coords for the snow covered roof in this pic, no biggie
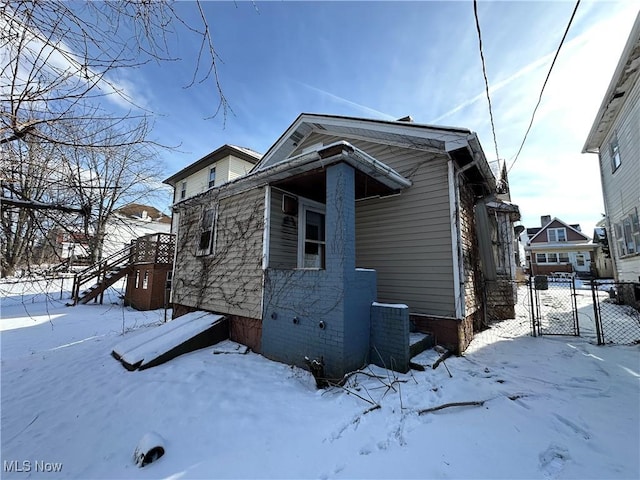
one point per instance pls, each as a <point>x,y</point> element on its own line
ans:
<point>143,212</point>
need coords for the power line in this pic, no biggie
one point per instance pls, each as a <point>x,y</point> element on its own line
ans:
<point>533,115</point>
<point>484,73</point>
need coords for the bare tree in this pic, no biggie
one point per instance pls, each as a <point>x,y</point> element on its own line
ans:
<point>27,171</point>
<point>63,152</point>
<point>121,170</point>
<point>60,60</point>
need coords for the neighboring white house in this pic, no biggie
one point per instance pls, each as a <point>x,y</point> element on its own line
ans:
<point>125,224</point>
<point>130,222</point>
<point>615,137</point>
<point>218,167</point>
<point>557,248</point>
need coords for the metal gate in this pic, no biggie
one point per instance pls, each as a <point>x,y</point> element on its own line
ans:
<point>553,306</point>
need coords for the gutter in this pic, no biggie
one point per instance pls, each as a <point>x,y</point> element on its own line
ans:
<point>339,151</point>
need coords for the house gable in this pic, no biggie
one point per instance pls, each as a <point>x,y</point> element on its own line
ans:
<point>572,234</point>
<point>461,145</point>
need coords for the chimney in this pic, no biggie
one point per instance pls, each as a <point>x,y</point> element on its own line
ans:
<point>545,220</point>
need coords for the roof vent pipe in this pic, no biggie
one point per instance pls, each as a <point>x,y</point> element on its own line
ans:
<point>407,119</point>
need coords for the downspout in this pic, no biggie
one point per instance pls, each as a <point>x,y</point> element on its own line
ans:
<point>266,234</point>
<point>175,260</point>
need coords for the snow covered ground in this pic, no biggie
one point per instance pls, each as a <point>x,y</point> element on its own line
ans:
<point>552,407</point>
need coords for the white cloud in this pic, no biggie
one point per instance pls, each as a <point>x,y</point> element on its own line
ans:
<point>363,108</point>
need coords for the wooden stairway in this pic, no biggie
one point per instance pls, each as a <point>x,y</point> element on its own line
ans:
<point>103,274</point>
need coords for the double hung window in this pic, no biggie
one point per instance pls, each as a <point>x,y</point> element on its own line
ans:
<point>206,243</point>
<point>557,234</point>
<point>312,245</point>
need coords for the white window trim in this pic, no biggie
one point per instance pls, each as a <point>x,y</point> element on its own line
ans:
<point>183,191</point>
<point>614,151</point>
<point>305,205</point>
<point>557,262</point>
<point>212,170</point>
<point>213,236</point>
<point>555,231</point>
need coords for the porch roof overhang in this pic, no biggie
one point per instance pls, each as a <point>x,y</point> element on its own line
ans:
<point>385,180</point>
<point>505,207</point>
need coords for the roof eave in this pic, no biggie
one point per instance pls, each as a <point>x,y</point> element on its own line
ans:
<point>596,134</point>
<point>330,154</point>
<point>218,154</point>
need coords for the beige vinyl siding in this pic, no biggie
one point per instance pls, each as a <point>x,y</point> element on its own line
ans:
<point>238,168</point>
<point>406,238</point>
<point>621,189</point>
<point>283,235</point>
<point>227,169</point>
<point>230,280</point>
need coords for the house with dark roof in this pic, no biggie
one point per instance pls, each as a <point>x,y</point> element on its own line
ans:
<point>557,248</point>
<point>348,234</point>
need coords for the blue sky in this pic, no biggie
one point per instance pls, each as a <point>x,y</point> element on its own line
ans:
<point>390,59</point>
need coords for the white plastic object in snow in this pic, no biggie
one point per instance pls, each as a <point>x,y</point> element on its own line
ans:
<point>150,448</point>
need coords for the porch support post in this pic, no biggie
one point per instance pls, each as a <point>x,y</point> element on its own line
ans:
<point>340,219</point>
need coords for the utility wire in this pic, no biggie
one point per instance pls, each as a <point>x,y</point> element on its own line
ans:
<point>484,73</point>
<point>533,115</point>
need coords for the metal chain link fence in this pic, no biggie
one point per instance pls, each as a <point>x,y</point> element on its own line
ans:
<point>616,312</point>
<point>605,312</point>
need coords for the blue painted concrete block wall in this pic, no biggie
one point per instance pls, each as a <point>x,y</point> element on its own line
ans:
<point>390,336</point>
<point>323,313</point>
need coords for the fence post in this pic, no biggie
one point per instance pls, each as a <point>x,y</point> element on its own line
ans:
<point>532,308</point>
<point>596,312</point>
<point>574,305</point>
